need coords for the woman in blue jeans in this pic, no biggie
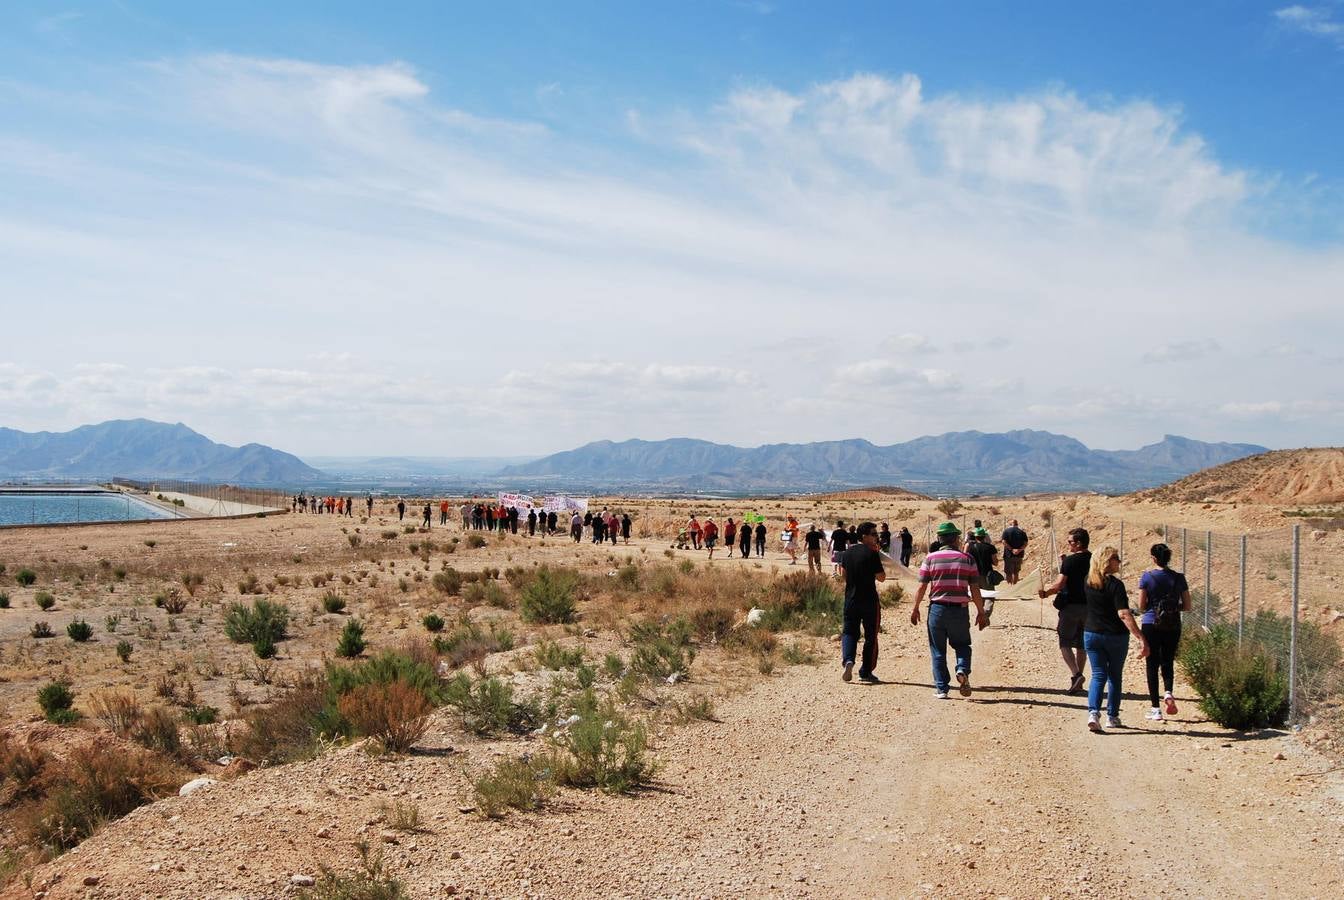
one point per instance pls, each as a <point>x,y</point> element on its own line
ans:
<point>1106,637</point>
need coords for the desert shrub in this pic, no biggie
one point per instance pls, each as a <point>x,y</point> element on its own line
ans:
<point>385,668</point>
<point>41,630</point>
<point>25,577</point>
<point>1318,653</point>
<point>627,577</point>
<point>949,507</point>
<point>468,642</point>
<point>523,784</point>
<point>389,534</point>
<point>752,639</point>
<point>696,709</point>
<point>686,566</point>
<point>486,592</point>
<point>291,728</point>
<point>1239,687</point>
<point>56,701</point>
<point>319,579</point>
<point>95,785</point>
<point>394,714</point>
<point>803,602</point>
<point>262,620</point>
<point>613,665</point>
<point>157,730</point>
<point>124,650</point>
<point>798,655</point>
<point>711,623</point>
<point>248,584</point>
<point>404,817</point>
<point>21,767</point>
<point>604,749</point>
<point>550,655</point>
<point>369,883</point>
<point>661,650</point>
<point>201,714</point>
<point>191,581</point>
<point>549,597</point>
<point>475,541</point>
<point>449,581</point>
<point>665,582</point>
<point>333,602</point>
<point>4,600</point>
<point>433,623</point>
<point>173,602</point>
<point>79,631</point>
<point>44,600</point>
<point>351,642</point>
<point>119,711</point>
<point>354,539</point>
<point>487,706</point>
<point>264,647</point>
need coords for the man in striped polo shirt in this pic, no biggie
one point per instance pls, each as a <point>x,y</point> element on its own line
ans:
<point>951,580</point>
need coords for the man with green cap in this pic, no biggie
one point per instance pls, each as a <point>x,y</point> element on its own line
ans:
<point>983,551</point>
<point>951,581</point>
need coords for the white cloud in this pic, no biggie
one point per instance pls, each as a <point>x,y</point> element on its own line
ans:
<point>1314,20</point>
<point>322,255</point>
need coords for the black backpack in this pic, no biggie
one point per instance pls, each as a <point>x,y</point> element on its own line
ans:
<point>1167,606</point>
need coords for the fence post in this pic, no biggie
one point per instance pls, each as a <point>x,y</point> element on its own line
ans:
<point>1208,574</point>
<point>1241,617</point>
<point>1292,633</point>
<point>1185,546</point>
<point>1122,540</point>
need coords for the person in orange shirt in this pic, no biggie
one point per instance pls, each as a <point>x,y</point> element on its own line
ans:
<point>443,512</point>
<point>791,539</point>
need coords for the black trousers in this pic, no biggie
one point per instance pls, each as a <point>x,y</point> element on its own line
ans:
<point>760,546</point>
<point>856,615</point>
<point>1162,644</point>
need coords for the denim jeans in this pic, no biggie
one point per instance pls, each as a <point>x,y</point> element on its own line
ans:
<point>1106,654</point>
<point>949,624</point>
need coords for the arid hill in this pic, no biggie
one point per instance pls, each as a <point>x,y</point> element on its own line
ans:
<point>1279,478</point>
<point>872,493</point>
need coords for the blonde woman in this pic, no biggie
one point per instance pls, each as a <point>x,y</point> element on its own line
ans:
<point>1106,633</point>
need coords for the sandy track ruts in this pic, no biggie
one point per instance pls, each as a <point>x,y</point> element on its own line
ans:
<point>806,787</point>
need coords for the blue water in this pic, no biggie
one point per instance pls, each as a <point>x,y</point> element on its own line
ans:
<point>46,509</point>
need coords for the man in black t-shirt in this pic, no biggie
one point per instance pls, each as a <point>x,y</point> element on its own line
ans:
<point>983,552</point>
<point>1071,585</point>
<point>863,569</point>
<point>813,540</point>
<point>1014,551</point>
<point>760,539</point>
<point>839,541</point>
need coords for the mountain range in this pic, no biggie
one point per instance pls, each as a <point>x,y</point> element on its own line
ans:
<point>1013,462</point>
<point>140,448</point>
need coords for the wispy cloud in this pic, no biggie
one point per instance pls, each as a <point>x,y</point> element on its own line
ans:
<point>1189,351</point>
<point>1318,21</point>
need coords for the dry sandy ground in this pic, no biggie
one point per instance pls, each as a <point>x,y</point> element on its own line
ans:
<point>806,787</point>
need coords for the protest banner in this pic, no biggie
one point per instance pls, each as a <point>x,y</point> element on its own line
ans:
<point>561,504</point>
<point>522,501</point>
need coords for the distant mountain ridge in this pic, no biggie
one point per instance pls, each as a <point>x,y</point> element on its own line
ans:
<point>961,462</point>
<point>140,448</point>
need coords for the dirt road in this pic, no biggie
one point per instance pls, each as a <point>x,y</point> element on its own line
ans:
<point>805,787</point>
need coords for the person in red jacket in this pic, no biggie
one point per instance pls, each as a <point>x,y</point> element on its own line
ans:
<point>710,532</point>
<point>729,535</point>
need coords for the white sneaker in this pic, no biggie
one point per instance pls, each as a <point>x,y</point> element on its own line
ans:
<point>1113,722</point>
<point>940,695</point>
<point>1154,715</point>
<point>1094,721</point>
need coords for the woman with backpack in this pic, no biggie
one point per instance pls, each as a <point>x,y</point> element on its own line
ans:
<point>1106,632</point>
<point>1163,596</point>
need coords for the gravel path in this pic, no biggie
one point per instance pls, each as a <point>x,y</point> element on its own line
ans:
<point>806,787</point>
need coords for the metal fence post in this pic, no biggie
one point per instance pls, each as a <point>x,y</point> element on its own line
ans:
<point>1208,575</point>
<point>1185,545</point>
<point>1122,540</point>
<point>1292,633</point>
<point>1241,617</point>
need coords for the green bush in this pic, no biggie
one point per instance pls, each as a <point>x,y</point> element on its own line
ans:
<point>468,642</point>
<point>351,642</point>
<point>41,630</point>
<point>1318,653</point>
<point>803,602</point>
<point>549,597</point>
<point>369,883</point>
<point>56,701</point>
<point>523,784</point>
<point>604,749</point>
<point>487,706</point>
<point>433,623</point>
<point>385,668</point>
<point>263,619</point>
<point>550,655</point>
<point>264,647</point>
<point>25,577</point>
<point>475,541</point>
<point>79,630</point>
<point>333,602</point>
<point>661,650</point>
<point>201,715</point>
<point>1239,687</point>
<point>487,592</point>
<point>44,600</point>
<point>449,581</point>
<point>4,600</point>
<point>124,650</point>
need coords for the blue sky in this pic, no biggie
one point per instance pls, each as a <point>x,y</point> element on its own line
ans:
<point>540,224</point>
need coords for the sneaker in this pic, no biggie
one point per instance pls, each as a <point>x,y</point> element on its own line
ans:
<point>1113,722</point>
<point>940,695</point>
<point>848,674</point>
<point>963,684</point>
<point>870,678</point>
<point>1154,715</point>
<point>1094,722</point>
<point>1076,684</point>
<point>1171,704</point>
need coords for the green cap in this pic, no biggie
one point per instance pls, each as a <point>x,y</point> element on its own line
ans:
<point>980,532</point>
<point>947,529</point>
